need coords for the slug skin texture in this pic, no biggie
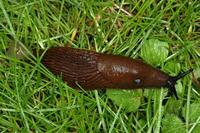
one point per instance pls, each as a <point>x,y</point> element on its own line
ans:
<point>94,70</point>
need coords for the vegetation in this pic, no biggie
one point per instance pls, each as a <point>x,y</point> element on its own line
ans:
<point>163,33</point>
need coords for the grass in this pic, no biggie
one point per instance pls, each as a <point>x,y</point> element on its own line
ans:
<point>33,100</point>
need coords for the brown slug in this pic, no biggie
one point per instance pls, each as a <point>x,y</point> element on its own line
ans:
<point>94,70</point>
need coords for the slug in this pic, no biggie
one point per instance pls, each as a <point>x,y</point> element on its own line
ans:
<point>92,70</point>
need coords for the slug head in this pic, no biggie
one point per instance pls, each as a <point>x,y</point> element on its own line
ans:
<point>172,81</point>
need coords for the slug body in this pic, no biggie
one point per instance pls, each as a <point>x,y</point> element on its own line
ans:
<point>92,70</point>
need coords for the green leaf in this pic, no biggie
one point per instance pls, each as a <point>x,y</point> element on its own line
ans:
<point>194,111</point>
<point>172,67</point>
<point>154,93</point>
<point>174,103</point>
<point>172,124</point>
<point>128,100</point>
<point>154,51</point>
<point>194,114</point>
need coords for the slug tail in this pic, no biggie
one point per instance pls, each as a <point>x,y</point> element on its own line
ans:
<point>172,81</point>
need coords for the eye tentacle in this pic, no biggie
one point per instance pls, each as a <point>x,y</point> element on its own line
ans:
<point>172,81</point>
